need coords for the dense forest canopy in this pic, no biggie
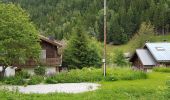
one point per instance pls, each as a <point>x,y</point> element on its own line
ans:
<point>58,17</point>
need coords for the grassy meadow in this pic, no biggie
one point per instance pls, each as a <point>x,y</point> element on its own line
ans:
<point>153,88</point>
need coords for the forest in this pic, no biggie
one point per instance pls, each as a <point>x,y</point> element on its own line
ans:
<point>58,18</point>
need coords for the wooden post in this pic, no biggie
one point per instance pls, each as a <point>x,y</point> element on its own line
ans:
<point>105,24</point>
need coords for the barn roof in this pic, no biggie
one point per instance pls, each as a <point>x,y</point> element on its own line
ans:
<point>160,51</point>
<point>53,42</point>
<point>145,57</point>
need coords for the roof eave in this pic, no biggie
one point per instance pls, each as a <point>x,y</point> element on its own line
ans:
<point>43,38</point>
<point>163,61</point>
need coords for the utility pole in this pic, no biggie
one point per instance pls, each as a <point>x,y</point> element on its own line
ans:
<point>105,30</point>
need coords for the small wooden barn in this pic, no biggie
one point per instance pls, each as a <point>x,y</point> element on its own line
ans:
<point>153,54</point>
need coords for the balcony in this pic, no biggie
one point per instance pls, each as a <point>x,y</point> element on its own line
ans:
<point>46,62</point>
<point>51,61</point>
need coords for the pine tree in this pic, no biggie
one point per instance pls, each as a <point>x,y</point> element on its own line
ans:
<point>78,54</point>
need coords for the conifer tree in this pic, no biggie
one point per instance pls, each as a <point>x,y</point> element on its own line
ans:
<point>78,53</point>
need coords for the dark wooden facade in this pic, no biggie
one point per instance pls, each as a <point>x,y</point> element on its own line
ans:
<point>52,57</point>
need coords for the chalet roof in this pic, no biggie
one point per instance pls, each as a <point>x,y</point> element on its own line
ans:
<point>145,57</point>
<point>53,42</point>
<point>160,51</point>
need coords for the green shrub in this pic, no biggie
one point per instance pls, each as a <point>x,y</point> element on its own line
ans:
<point>95,75</point>
<point>14,80</point>
<point>23,74</point>
<point>18,79</point>
<point>162,69</point>
<point>50,80</point>
<point>119,59</point>
<point>35,80</point>
<point>110,78</point>
<point>40,70</point>
<point>23,78</point>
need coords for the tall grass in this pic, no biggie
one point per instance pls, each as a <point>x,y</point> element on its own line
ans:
<point>167,93</point>
<point>162,69</point>
<point>95,75</point>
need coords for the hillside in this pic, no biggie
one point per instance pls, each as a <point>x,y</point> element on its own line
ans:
<point>131,46</point>
<point>59,17</point>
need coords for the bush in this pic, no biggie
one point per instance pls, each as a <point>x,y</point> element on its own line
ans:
<point>162,69</point>
<point>95,75</point>
<point>35,80</point>
<point>23,74</point>
<point>110,78</point>
<point>50,80</point>
<point>14,80</point>
<point>120,60</point>
<point>18,79</point>
<point>23,78</point>
<point>40,70</point>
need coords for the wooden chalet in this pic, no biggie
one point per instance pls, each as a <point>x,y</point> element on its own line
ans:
<point>49,56</point>
<point>153,54</point>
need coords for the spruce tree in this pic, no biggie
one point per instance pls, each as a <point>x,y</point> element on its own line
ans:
<point>78,53</point>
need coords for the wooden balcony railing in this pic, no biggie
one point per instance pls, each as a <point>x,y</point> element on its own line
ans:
<point>47,62</point>
<point>51,61</point>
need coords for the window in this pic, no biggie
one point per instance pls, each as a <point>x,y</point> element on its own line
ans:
<point>43,54</point>
<point>160,49</point>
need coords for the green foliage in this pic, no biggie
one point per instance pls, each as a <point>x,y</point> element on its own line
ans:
<point>153,88</point>
<point>22,78</point>
<point>120,59</point>
<point>145,33</point>
<point>13,81</point>
<point>50,80</point>
<point>161,69</point>
<point>81,51</point>
<point>23,74</point>
<point>40,70</point>
<point>95,75</point>
<point>35,80</point>
<point>18,79</point>
<point>18,36</point>
<point>124,17</point>
<point>148,89</point>
<point>126,74</point>
<point>94,52</point>
<point>168,89</point>
<point>76,76</point>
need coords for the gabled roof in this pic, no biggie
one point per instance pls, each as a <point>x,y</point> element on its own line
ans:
<point>160,51</point>
<point>53,42</point>
<point>145,57</point>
